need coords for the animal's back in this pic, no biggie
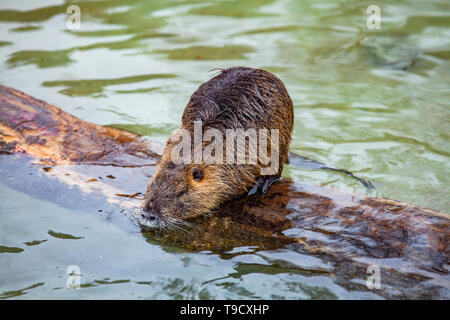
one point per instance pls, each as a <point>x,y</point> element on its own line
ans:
<point>241,97</point>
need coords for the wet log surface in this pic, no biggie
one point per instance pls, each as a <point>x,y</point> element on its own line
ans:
<point>53,155</point>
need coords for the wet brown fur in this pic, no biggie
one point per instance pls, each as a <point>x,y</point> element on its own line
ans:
<point>237,98</point>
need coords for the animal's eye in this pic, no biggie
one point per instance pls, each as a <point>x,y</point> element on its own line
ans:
<point>171,165</point>
<point>197,174</point>
<point>180,194</point>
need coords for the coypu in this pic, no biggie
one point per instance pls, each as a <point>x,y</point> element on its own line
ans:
<point>239,98</point>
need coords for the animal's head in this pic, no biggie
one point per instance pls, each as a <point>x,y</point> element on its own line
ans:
<point>180,191</point>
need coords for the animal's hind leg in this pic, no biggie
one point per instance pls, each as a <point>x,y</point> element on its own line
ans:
<point>263,184</point>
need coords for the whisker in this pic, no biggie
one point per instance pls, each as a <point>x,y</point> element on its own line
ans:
<point>177,225</point>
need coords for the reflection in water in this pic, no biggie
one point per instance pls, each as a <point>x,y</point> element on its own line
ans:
<point>34,243</point>
<point>61,235</point>
<point>95,87</point>
<point>4,249</point>
<point>207,53</point>
<point>20,292</point>
<point>236,9</point>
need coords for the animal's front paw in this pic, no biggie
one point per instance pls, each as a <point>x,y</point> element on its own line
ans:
<point>263,184</point>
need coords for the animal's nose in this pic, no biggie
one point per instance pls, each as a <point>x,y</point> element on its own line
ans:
<point>150,210</point>
<point>150,216</point>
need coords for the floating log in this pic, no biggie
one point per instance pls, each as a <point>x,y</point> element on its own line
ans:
<point>347,231</point>
<point>45,132</point>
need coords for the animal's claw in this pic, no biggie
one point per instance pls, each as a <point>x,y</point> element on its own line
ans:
<point>263,184</point>
<point>268,182</point>
<point>255,188</point>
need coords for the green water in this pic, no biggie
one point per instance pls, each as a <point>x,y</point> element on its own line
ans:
<point>375,102</point>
